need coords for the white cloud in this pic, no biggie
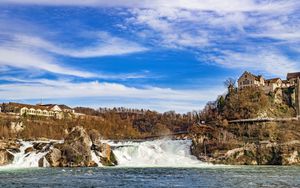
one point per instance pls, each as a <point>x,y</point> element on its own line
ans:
<point>50,89</point>
<point>33,53</point>
<point>33,61</point>
<point>171,27</point>
<point>106,45</point>
<point>266,61</point>
<point>25,59</point>
<point>210,5</point>
<point>282,28</point>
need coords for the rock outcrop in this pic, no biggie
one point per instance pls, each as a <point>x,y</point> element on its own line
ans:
<point>102,150</point>
<point>53,158</point>
<point>107,157</point>
<point>261,153</point>
<point>5,157</point>
<point>76,151</point>
<point>7,147</point>
<point>9,144</point>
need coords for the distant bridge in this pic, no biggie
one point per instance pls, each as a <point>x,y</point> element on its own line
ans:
<point>254,120</point>
<point>155,137</point>
<point>166,135</point>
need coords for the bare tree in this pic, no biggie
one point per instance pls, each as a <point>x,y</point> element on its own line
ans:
<point>230,82</point>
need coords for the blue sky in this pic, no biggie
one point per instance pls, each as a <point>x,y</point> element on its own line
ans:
<point>162,55</point>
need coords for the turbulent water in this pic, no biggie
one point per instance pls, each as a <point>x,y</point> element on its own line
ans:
<point>160,163</point>
<point>22,159</point>
<point>158,153</point>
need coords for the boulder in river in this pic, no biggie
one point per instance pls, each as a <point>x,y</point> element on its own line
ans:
<point>76,151</point>
<point>102,150</point>
<point>107,157</point>
<point>53,158</point>
<point>5,157</point>
<point>28,150</point>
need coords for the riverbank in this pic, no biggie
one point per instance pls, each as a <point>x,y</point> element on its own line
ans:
<point>248,144</point>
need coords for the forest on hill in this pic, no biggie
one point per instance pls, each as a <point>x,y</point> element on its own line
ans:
<point>117,123</point>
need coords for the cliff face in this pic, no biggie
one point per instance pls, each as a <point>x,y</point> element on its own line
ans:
<point>278,146</point>
<point>250,154</point>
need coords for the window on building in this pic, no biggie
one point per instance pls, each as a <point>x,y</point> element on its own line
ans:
<point>246,82</point>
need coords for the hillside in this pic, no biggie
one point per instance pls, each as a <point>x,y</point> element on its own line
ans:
<point>251,143</point>
<point>111,123</point>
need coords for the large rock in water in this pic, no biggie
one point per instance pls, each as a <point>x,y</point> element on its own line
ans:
<point>76,151</point>
<point>102,150</point>
<point>107,157</point>
<point>5,157</point>
<point>5,146</point>
<point>53,158</point>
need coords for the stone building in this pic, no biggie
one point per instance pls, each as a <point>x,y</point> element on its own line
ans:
<point>250,80</point>
<point>292,77</point>
<point>272,84</point>
<point>49,110</point>
<point>276,86</point>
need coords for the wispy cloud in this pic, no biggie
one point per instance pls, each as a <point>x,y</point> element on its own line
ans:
<point>34,53</point>
<point>212,5</point>
<point>25,59</point>
<point>51,89</point>
<point>65,89</point>
<point>105,45</point>
<point>267,61</point>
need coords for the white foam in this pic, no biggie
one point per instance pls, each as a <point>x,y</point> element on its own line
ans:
<point>22,160</point>
<point>157,153</point>
<point>96,158</point>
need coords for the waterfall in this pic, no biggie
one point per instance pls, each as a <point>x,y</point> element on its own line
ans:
<point>23,159</point>
<point>156,153</point>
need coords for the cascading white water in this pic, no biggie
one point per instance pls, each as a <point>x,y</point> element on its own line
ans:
<point>24,160</point>
<point>157,153</point>
<point>96,158</point>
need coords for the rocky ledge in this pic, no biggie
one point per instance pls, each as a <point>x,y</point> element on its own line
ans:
<point>237,153</point>
<point>7,147</point>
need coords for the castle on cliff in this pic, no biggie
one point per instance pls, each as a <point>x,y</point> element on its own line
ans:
<point>281,89</point>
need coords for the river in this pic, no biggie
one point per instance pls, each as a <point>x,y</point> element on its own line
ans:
<point>215,176</point>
